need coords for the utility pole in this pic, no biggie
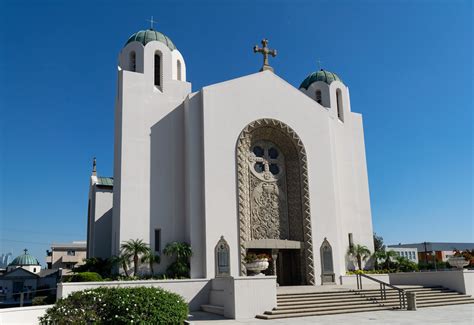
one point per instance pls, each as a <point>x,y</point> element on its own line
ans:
<point>426,254</point>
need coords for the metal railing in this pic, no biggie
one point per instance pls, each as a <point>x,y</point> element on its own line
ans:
<point>383,289</point>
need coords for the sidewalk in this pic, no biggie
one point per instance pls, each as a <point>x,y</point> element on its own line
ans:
<point>459,314</point>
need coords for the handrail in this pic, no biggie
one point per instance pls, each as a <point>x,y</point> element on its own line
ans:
<point>383,291</point>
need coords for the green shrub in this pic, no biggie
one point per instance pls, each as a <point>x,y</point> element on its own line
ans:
<point>86,277</point>
<point>43,300</point>
<point>118,306</point>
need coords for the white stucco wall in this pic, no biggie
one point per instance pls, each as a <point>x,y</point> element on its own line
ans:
<point>194,291</point>
<point>461,281</point>
<point>100,222</point>
<point>338,192</point>
<point>149,154</point>
<point>22,315</point>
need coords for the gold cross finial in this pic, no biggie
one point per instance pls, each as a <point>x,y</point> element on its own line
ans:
<point>265,52</point>
<point>151,22</point>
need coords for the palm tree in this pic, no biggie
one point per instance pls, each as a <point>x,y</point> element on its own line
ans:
<point>378,256</point>
<point>389,256</point>
<point>122,260</point>
<point>180,267</point>
<point>181,250</point>
<point>134,248</point>
<point>360,253</point>
<point>151,258</point>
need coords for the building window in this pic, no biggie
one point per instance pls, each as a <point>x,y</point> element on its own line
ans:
<point>351,240</point>
<point>178,70</point>
<point>157,69</point>
<point>222,252</point>
<point>318,96</point>
<point>340,112</point>
<point>157,240</point>
<point>133,61</point>
<point>71,253</point>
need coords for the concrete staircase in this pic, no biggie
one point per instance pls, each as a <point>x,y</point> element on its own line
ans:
<point>353,301</point>
<point>216,299</point>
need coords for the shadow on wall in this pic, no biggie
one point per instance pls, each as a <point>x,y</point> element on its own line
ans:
<point>103,226</point>
<point>167,178</point>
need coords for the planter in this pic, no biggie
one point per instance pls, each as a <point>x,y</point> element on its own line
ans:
<point>257,266</point>
<point>458,262</point>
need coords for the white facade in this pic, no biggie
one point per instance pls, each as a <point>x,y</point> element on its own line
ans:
<point>409,253</point>
<point>181,167</point>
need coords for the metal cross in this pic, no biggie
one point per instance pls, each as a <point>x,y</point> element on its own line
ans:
<point>152,22</point>
<point>265,51</point>
<point>319,64</point>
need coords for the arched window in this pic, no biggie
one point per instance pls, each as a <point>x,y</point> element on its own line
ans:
<point>318,96</point>
<point>327,272</point>
<point>340,111</point>
<point>178,70</point>
<point>157,69</point>
<point>222,252</point>
<point>133,61</point>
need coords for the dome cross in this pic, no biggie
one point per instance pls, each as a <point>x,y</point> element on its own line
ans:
<point>265,52</point>
<point>152,22</point>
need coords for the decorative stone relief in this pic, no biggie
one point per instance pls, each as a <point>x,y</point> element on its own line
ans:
<point>274,202</point>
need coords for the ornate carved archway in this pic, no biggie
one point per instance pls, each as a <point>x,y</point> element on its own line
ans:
<point>283,178</point>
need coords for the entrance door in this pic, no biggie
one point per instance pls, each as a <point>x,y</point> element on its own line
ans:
<point>288,267</point>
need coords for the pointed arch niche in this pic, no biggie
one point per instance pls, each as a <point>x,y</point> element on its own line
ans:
<point>273,203</point>
<point>222,253</point>
<point>327,265</point>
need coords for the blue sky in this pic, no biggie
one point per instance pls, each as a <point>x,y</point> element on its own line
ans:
<point>408,65</point>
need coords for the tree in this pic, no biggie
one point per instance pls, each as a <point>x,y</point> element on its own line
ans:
<point>389,257</point>
<point>182,251</point>
<point>134,248</point>
<point>123,261</point>
<point>378,256</point>
<point>151,258</point>
<point>378,243</point>
<point>96,264</point>
<point>360,253</point>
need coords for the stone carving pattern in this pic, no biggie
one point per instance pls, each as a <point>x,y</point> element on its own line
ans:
<point>243,175</point>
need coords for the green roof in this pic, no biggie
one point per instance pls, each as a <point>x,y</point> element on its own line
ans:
<point>105,181</point>
<point>24,259</point>
<point>321,75</point>
<point>149,35</point>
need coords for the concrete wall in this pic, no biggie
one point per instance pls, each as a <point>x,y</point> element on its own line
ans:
<point>22,315</point>
<point>338,183</point>
<point>149,154</point>
<point>194,291</point>
<point>351,280</point>
<point>245,297</point>
<point>461,281</point>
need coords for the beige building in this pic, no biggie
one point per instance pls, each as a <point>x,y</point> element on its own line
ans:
<point>66,255</point>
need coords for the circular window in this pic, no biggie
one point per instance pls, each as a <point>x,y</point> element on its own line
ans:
<point>258,151</point>
<point>259,167</point>
<point>274,169</point>
<point>273,153</point>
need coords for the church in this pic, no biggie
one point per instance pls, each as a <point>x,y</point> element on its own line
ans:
<point>253,165</point>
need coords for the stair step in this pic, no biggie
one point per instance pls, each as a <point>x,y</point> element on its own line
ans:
<point>320,313</point>
<point>219,310</point>
<point>324,308</point>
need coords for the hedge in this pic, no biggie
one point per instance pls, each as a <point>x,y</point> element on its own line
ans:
<point>118,306</point>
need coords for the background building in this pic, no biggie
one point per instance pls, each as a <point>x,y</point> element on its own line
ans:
<point>407,252</point>
<point>66,255</point>
<point>430,251</point>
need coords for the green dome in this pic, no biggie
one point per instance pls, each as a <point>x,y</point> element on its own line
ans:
<point>145,36</point>
<point>24,259</point>
<point>321,75</point>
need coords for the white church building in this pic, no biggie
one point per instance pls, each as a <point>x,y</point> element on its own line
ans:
<point>253,161</point>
